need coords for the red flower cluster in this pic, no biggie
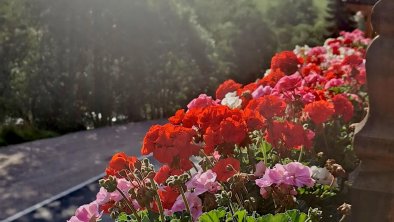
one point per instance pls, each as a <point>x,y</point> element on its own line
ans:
<point>286,61</point>
<point>320,111</point>
<point>343,107</point>
<point>291,135</point>
<point>170,144</point>
<point>226,87</point>
<point>222,126</point>
<point>268,106</point>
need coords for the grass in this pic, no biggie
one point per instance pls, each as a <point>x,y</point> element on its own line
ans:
<point>14,134</point>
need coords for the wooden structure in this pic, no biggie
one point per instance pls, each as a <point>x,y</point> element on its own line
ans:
<point>373,189</point>
<point>365,7</point>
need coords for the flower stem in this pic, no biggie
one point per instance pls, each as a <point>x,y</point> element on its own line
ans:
<point>209,161</point>
<point>158,201</point>
<point>264,145</point>
<point>301,152</point>
<point>187,206</point>
<point>129,205</point>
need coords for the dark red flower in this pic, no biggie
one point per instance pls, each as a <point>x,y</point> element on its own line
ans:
<point>226,168</point>
<point>319,111</point>
<point>107,206</point>
<point>343,107</point>
<point>352,60</point>
<point>226,87</point>
<point>286,61</point>
<point>168,197</point>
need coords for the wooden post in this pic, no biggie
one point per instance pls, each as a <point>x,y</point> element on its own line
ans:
<point>373,189</point>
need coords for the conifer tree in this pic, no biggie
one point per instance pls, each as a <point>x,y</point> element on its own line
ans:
<point>339,18</point>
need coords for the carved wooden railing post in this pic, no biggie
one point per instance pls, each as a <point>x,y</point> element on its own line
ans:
<point>373,189</point>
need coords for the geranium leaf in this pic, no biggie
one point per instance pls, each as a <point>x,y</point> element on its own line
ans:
<point>297,216</point>
<point>212,216</point>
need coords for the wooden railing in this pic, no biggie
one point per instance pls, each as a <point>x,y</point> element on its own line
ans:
<point>373,189</point>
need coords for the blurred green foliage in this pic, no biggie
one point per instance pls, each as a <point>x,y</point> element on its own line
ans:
<point>24,133</point>
<point>68,65</point>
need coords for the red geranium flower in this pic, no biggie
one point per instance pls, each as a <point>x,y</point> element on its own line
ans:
<point>169,143</point>
<point>254,120</point>
<point>268,106</point>
<point>230,131</point>
<point>226,168</point>
<point>319,111</point>
<point>286,61</point>
<point>191,118</point>
<point>343,107</point>
<point>272,78</point>
<point>352,60</point>
<point>226,87</point>
<point>233,131</point>
<point>168,197</point>
<point>178,117</point>
<point>119,162</point>
<point>290,134</point>
<point>164,172</point>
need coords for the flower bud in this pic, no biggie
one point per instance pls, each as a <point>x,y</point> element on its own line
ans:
<point>110,184</point>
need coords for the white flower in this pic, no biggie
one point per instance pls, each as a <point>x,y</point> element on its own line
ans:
<point>232,100</point>
<point>301,50</point>
<point>323,176</point>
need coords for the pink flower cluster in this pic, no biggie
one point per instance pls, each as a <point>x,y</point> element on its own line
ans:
<point>292,174</point>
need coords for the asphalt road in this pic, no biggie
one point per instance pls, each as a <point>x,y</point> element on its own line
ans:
<point>32,172</point>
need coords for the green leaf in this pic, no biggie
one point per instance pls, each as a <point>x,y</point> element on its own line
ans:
<point>123,217</point>
<point>274,218</point>
<point>297,216</point>
<point>212,216</point>
<point>240,215</point>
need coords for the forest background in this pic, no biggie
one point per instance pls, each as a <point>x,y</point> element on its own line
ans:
<point>69,65</point>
